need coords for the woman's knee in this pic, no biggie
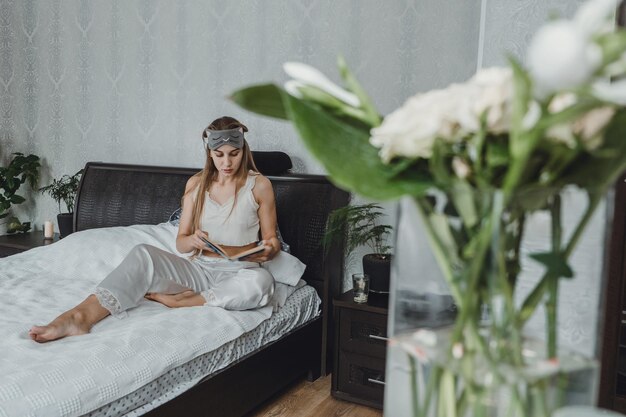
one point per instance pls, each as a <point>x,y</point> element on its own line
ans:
<point>264,279</point>
<point>264,284</point>
<point>144,250</point>
<point>249,288</point>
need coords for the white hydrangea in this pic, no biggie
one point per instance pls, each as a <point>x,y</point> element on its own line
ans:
<point>449,114</point>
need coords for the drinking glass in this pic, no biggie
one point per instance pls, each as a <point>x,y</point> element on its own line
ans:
<point>361,287</point>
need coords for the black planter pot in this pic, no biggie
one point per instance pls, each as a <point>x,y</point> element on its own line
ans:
<point>66,223</point>
<point>377,267</point>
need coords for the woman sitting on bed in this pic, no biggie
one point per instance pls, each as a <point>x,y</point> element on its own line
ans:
<point>227,202</point>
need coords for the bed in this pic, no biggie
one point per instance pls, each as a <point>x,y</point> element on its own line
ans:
<point>159,361</point>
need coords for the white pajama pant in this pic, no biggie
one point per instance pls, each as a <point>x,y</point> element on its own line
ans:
<point>233,285</point>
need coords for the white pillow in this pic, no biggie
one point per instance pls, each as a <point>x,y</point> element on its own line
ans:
<point>285,268</point>
<point>282,292</point>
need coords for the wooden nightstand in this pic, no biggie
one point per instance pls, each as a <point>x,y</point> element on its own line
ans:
<point>360,349</point>
<point>20,242</point>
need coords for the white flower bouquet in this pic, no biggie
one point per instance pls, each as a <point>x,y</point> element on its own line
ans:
<point>478,157</point>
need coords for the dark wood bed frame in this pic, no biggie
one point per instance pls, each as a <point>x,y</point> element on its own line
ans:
<point>122,195</point>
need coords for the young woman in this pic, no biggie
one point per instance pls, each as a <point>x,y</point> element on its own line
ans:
<point>228,202</point>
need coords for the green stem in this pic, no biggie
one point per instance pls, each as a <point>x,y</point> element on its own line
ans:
<point>433,382</point>
<point>439,251</point>
<point>553,282</point>
<point>538,394</point>
<point>414,393</point>
<point>447,395</point>
<point>536,296</point>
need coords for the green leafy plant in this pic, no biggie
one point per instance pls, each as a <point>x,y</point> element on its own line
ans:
<point>21,169</point>
<point>14,225</point>
<point>359,224</point>
<point>64,190</point>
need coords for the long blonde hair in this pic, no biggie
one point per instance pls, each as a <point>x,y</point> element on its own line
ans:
<point>210,172</point>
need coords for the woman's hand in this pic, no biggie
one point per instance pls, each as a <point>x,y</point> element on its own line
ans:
<point>183,299</point>
<point>271,248</point>
<point>196,241</point>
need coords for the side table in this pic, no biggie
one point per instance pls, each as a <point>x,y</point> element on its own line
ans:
<point>20,242</point>
<point>360,349</point>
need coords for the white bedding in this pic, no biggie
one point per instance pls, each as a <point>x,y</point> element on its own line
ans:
<point>75,375</point>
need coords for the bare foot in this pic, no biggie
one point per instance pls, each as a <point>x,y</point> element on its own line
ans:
<point>76,321</point>
<point>70,323</point>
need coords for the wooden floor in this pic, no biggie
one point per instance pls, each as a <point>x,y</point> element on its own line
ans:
<point>313,399</point>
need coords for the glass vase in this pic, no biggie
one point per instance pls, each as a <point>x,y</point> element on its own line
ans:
<point>471,335</point>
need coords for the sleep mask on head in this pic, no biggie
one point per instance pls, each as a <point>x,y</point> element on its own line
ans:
<point>217,138</point>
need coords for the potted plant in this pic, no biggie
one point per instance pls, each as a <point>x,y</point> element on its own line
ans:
<point>21,169</point>
<point>359,225</point>
<point>64,190</point>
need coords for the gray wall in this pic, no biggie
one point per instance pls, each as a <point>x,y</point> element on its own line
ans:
<point>136,81</point>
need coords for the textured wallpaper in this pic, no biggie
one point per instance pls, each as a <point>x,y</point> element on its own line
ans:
<point>136,81</point>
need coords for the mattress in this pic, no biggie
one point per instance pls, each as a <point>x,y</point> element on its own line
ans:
<point>301,307</point>
<point>76,375</point>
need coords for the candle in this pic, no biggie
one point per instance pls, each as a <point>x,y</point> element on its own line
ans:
<point>48,230</point>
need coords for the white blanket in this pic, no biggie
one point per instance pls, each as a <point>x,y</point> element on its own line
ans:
<point>75,375</point>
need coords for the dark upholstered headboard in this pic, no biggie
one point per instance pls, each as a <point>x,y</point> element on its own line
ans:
<point>122,195</point>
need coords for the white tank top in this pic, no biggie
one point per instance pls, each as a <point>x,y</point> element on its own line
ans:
<point>237,228</point>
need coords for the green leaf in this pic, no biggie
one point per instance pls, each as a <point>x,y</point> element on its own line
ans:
<point>521,99</point>
<point>613,45</point>
<point>441,229</point>
<point>556,263</point>
<point>353,85</point>
<point>440,165</point>
<point>14,225</point>
<point>522,141</point>
<point>599,169</point>
<point>533,197</point>
<point>497,155</point>
<point>264,99</point>
<point>463,196</point>
<point>351,161</point>
<point>17,199</point>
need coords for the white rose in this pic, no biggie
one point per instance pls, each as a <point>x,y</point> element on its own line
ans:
<point>405,132</point>
<point>449,114</point>
<point>494,95</point>
<point>591,126</point>
<point>454,106</point>
<point>560,57</point>
<point>588,129</point>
